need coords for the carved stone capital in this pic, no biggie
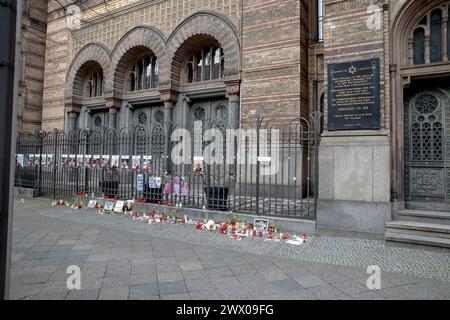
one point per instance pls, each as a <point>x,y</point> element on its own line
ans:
<point>169,97</point>
<point>73,108</point>
<point>233,90</point>
<point>113,103</point>
<point>393,70</point>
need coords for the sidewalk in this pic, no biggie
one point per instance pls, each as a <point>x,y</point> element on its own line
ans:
<point>125,259</point>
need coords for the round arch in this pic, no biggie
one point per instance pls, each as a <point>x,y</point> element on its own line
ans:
<point>91,55</point>
<point>202,24</point>
<point>405,19</point>
<point>140,37</point>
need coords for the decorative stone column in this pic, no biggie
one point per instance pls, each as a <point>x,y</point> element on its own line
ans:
<point>185,111</point>
<point>233,94</point>
<point>169,98</point>
<point>445,32</point>
<point>113,106</point>
<point>73,110</point>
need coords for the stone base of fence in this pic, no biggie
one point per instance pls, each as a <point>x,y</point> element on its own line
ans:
<point>26,192</point>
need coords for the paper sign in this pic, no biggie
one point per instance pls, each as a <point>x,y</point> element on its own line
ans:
<point>118,208</point>
<point>140,182</point>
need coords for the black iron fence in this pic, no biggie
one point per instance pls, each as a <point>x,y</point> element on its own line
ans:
<point>268,169</point>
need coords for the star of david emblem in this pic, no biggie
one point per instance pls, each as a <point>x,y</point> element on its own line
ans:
<point>352,69</point>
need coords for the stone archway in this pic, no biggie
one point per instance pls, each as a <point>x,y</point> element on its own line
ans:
<point>202,25</point>
<point>140,37</point>
<point>90,55</point>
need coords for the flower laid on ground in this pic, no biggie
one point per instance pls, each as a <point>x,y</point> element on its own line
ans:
<point>236,228</point>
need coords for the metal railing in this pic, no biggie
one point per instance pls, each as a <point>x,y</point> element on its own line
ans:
<point>141,164</point>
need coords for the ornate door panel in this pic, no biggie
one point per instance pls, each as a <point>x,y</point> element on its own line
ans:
<point>427,147</point>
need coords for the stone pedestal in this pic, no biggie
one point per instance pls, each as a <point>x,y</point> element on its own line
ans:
<point>354,181</point>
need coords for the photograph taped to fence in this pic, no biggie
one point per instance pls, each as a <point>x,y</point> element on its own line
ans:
<point>115,161</point>
<point>105,162</point>
<point>147,163</point>
<point>136,162</point>
<point>96,161</point>
<point>125,162</point>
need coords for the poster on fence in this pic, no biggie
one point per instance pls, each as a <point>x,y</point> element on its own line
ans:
<point>140,182</point>
<point>49,161</point>
<point>105,161</point>
<point>125,162</point>
<point>198,166</point>
<point>115,161</point>
<point>37,158</point>
<point>20,160</point>
<point>43,160</point>
<point>72,160</point>
<point>136,162</point>
<point>147,163</point>
<point>154,182</point>
<point>96,163</point>
<point>88,161</point>
<point>64,161</point>
<point>80,160</point>
<point>177,186</point>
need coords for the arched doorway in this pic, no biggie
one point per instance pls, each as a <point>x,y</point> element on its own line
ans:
<point>420,77</point>
<point>427,144</point>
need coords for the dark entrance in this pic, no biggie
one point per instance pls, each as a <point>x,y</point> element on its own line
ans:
<point>427,145</point>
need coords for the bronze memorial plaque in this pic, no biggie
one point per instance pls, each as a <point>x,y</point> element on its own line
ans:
<point>354,95</point>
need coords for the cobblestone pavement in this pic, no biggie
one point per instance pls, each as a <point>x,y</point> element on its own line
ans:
<point>125,259</point>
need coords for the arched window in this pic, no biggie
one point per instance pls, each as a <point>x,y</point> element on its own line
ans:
<point>144,74</point>
<point>419,46</point>
<point>448,33</point>
<point>94,85</point>
<point>429,36</point>
<point>205,64</point>
<point>436,36</point>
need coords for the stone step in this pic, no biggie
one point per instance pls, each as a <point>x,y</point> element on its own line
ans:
<point>425,216</point>
<point>420,240</point>
<point>419,229</point>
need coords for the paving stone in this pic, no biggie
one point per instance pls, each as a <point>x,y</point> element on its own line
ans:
<point>98,257</point>
<point>243,269</point>
<point>143,278</point>
<point>409,292</point>
<point>329,292</point>
<point>294,295</point>
<point>88,294</point>
<point>172,287</point>
<point>193,274</point>
<point>212,294</point>
<point>144,291</point>
<point>169,276</point>
<point>189,266</point>
<point>219,272</point>
<point>116,282</point>
<point>114,293</point>
<point>226,282</point>
<point>200,285</point>
<point>177,296</point>
<point>53,295</point>
<point>235,293</point>
<point>369,295</point>
<point>310,281</point>
<point>286,285</point>
<point>273,275</point>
